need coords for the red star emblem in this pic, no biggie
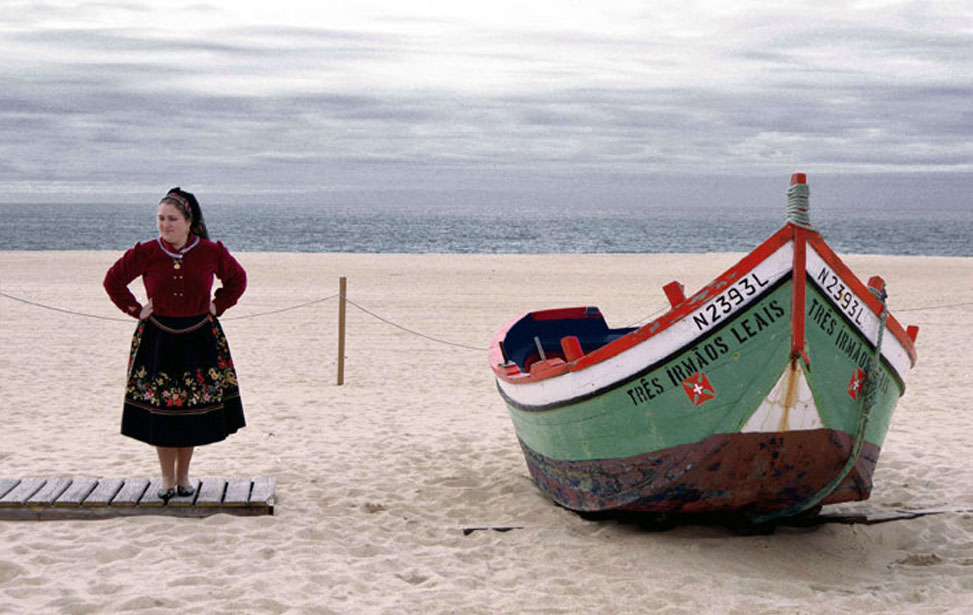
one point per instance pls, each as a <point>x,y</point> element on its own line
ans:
<point>856,384</point>
<point>698,388</point>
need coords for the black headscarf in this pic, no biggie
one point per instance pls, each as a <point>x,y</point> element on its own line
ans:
<point>189,206</point>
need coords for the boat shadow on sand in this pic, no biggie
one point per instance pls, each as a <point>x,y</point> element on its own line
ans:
<point>744,525</point>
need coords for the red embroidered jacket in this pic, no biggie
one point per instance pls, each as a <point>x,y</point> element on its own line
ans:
<point>182,291</point>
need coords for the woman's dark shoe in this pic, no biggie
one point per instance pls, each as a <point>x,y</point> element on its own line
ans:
<point>166,494</point>
<point>185,491</point>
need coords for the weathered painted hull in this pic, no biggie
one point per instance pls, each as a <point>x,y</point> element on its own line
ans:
<point>742,398</point>
<point>752,472</point>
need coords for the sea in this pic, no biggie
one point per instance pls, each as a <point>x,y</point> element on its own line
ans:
<point>541,229</point>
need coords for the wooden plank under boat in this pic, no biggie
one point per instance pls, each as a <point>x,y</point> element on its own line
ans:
<point>761,394</point>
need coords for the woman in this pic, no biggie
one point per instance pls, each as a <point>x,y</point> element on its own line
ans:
<point>182,388</point>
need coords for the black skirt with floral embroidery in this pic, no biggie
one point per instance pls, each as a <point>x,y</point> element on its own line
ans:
<point>182,388</point>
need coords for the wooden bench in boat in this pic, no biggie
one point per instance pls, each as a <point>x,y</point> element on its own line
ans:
<point>88,498</point>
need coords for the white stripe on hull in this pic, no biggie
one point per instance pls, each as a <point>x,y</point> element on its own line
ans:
<point>630,362</point>
<point>843,300</point>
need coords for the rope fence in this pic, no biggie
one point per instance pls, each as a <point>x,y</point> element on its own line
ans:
<point>378,316</point>
<point>281,310</point>
<point>412,332</point>
<point>934,307</point>
<point>62,310</point>
<point>257,315</point>
<point>343,298</point>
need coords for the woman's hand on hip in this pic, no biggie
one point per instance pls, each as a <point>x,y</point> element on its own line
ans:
<point>212,308</point>
<point>146,310</point>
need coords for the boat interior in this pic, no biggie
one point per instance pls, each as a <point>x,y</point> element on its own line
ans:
<point>566,334</point>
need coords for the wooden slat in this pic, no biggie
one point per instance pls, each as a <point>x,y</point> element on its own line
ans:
<point>237,492</point>
<point>188,500</point>
<point>211,492</point>
<point>104,492</point>
<point>263,490</point>
<point>131,492</point>
<point>46,495</point>
<point>79,489</point>
<point>19,494</point>
<point>37,499</point>
<point>6,484</point>
<point>151,499</point>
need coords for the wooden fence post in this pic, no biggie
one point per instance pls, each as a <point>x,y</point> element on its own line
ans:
<point>342,290</point>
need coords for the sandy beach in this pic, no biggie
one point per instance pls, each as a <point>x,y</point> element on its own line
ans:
<point>377,479</point>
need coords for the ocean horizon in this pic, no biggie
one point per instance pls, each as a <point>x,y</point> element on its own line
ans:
<point>540,229</point>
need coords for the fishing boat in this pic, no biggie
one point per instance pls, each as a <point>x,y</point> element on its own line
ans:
<point>768,393</point>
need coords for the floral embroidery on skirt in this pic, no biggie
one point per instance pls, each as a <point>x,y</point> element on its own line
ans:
<point>182,388</point>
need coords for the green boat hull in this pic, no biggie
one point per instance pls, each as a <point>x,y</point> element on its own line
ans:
<point>768,392</point>
<point>650,444</point>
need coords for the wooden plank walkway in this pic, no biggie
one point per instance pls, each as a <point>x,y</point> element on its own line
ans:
<point>99,498</point>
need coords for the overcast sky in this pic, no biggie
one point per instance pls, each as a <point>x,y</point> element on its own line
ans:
<point>114,98</point>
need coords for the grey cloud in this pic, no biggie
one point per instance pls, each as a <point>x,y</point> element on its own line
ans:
<point>253,52</point>
<point>31,12</point>
<point>102,103</point>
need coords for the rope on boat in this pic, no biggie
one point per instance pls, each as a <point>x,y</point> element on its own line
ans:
<point>797,204</point>
<point>868,400</point>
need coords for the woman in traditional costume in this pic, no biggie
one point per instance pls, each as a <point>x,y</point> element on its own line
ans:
<point>182,389</point>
